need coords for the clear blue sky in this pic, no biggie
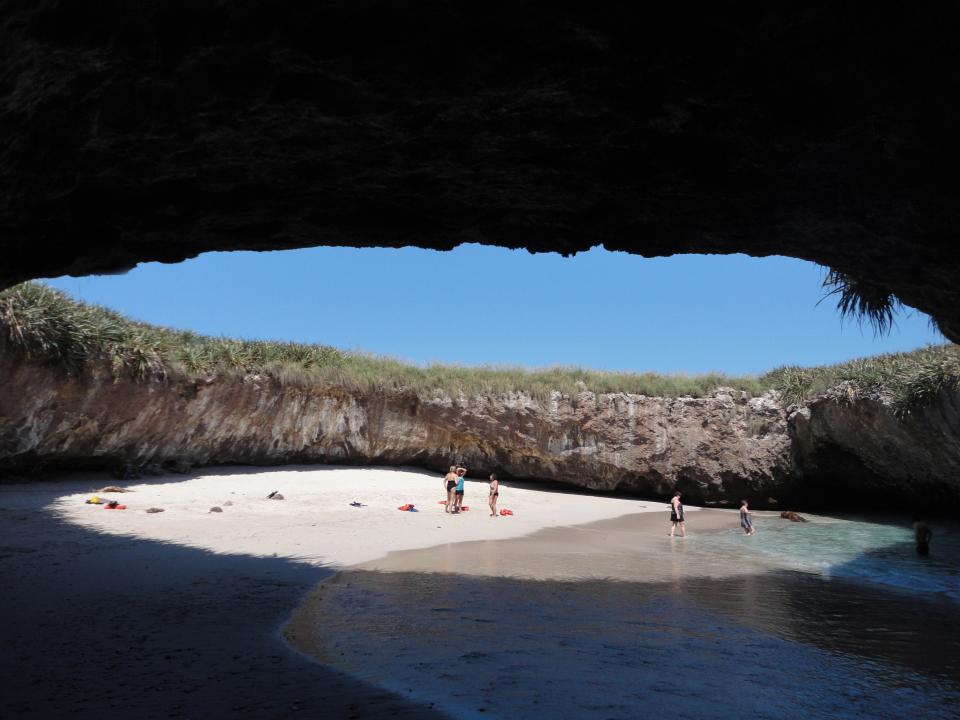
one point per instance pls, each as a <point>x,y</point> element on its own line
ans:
<point>483,305</point>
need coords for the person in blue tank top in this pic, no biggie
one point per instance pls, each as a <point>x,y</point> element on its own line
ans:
<point>458,491</point>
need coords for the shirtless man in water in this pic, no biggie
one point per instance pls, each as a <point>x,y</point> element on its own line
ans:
<point>922,535</point>
<point>449,483</point>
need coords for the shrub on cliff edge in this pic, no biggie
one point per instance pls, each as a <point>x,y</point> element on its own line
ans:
<point>48,326</point>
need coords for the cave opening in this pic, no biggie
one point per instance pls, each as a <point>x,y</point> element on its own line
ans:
<point>481,305</point>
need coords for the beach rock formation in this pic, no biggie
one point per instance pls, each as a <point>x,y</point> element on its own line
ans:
<point>715,449</point>
<point>158,130</point>
<point>792,516</point>
<point>912,463</point>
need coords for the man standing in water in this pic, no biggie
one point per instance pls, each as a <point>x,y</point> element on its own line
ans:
<point>922,535</point>
<point>745,521</point>
<point>676,516</point>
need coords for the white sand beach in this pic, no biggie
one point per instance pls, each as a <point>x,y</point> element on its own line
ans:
<point>315,522</point>
<point>179,613</point>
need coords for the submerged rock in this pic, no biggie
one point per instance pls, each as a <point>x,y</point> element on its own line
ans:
<point>792,516</point>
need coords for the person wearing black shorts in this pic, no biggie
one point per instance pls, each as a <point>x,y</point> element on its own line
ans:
<point>458,488</point>
<point>676,516</point>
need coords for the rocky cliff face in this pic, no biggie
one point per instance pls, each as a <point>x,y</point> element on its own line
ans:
<point>717,448</point>
<point>855,452</point>
<point>160,129</point>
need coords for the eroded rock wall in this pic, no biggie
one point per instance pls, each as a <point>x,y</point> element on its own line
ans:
<point>715,449</point>
<point>711,447</point>
<point>857,453</point>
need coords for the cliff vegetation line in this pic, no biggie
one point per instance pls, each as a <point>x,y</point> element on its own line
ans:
<point>50,327</point>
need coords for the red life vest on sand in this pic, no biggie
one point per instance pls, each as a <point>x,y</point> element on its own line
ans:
<point>506,512</point>
<point>406,508</point>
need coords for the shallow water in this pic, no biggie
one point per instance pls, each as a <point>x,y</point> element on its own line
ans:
<point>876,551</point>
<point>832,618</point>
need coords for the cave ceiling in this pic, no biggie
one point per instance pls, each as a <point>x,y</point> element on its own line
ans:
<point>159,130</point>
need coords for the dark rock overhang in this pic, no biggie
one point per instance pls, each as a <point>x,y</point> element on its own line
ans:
<point>160,130</point>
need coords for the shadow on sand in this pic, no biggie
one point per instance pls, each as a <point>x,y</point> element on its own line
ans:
<point>97,626</point>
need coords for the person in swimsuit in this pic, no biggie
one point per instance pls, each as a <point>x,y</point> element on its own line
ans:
<point>458,490</point>
<point>494,494</point>
<point>745,522</point>
<point>676,516</point>
<point>449,483</point>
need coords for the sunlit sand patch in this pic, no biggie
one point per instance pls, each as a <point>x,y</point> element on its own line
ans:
<point>315,522</point>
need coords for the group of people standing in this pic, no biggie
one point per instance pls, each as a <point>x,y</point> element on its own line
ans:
<point>453,483</point>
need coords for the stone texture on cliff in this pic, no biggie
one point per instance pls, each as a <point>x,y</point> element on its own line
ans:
<point>712,448</point>
<point>914,461</point>
<point>836,450</point>
<point>160,129</point>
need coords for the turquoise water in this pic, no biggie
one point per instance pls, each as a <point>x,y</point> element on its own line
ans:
<point>832,618</point>
<point>879,552</point>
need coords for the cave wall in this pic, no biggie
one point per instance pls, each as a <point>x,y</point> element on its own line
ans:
<point>910,463</point>
<point>713,448</point>
<point>720,448</point>
<point>160,129</point>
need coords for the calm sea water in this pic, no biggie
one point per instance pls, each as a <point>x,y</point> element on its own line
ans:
<point>833,618</point>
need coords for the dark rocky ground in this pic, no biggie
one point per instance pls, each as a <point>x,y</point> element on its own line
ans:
<point>98,626</point>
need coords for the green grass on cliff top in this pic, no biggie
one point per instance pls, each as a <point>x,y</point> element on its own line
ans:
<point>50,327</point>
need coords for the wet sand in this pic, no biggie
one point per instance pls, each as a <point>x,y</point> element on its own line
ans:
<point>616,620</point>
<point>632,547</point>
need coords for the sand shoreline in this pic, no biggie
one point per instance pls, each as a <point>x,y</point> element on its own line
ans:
<point>628,548</point>
<point>177,614</point>
<point>182,614</point>
<point>315,522</point>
